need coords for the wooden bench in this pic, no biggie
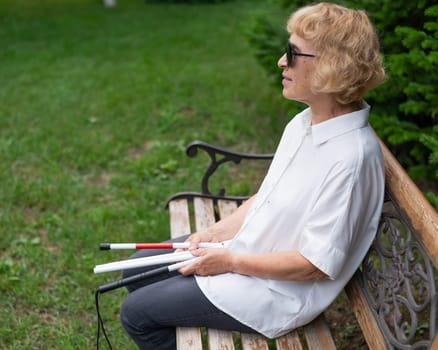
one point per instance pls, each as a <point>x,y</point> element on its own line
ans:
<point>393,294</point>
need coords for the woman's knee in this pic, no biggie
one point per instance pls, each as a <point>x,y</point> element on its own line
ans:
<point>146,333</point>
<point>134,316</point>
<point>127,314</point>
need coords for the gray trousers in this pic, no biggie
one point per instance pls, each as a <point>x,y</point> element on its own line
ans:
<point>155,307</point>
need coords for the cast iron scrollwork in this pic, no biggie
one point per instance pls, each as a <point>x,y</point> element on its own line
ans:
<point>399,283</point>
<point>214,153</point>
<point>218,156</point>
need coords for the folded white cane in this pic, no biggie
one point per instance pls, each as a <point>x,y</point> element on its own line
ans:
<point>143,262</point>
<point>144,275</point>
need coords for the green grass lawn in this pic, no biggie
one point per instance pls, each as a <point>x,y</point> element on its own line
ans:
<point>96,108</point>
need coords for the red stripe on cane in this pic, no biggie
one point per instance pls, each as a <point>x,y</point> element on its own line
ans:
<point>154,246</point>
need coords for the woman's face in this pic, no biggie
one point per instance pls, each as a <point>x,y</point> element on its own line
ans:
<point>297,79</point>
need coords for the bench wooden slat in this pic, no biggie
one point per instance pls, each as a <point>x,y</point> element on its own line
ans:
<point>226,208</point>
<point>254,342</point>
<point>318,335</point>
<point>204,213</point>
<point>220,340</point>
<point>187,338</point>
<point>290,341</point>
<point>364,315</point>
<point>179,218</point>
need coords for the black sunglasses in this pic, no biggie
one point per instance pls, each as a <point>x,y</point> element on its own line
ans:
<point>291,53</point>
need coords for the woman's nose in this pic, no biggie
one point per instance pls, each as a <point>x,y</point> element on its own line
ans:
<point>282,62</point>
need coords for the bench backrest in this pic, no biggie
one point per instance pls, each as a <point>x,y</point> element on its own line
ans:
<point>394,294</point>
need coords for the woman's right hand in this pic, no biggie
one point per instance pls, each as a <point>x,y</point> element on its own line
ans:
<point>223,230</point>
<point>198,237</point>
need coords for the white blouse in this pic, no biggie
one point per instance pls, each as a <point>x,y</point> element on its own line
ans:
<point>322,197</point>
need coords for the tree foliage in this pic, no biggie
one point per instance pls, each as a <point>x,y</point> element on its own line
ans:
<point>404,110</point>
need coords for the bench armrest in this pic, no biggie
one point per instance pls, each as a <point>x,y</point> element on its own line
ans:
<point>218,157</point>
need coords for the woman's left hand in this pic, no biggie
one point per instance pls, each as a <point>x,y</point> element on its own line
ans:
<point>210,261</point>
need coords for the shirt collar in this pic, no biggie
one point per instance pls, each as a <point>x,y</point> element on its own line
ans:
<point>337,126</point>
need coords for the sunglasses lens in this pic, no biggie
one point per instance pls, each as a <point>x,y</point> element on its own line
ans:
<point>289,55</point>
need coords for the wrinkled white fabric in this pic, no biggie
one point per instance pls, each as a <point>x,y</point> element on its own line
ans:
<point>322,197</point>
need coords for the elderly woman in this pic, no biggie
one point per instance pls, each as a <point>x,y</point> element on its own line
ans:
<point>294,245</point>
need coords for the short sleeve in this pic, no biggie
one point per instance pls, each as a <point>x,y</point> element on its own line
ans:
<point>329,229</point>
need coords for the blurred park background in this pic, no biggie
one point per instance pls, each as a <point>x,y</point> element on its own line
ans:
<point>97,105</point>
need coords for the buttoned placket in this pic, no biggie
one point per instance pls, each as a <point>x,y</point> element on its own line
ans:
<point>296,145</point>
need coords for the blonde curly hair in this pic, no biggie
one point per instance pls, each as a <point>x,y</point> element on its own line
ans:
<point>348,62</point>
